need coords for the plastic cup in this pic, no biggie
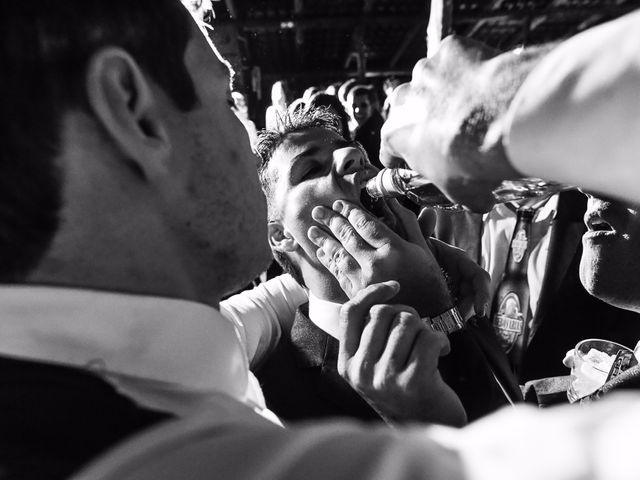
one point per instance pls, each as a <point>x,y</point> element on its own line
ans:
<point>592,362</point>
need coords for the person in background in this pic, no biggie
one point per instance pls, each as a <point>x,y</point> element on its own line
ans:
<point>362,108</point>
<point>310,92</point>
<point>242,112</point>
<point>561,312</point>
<point>279,103</point>
<point>343,90</point>
<point>333,89</point>
<point>298,105</point>
<point>388,86</point>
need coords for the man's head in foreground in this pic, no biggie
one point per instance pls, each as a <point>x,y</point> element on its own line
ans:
<point>304,164</point>
<point>125,168</point>
<point>611,252</point>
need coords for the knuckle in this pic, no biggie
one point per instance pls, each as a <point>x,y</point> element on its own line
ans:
<point>360,220</point>
<point>377,263</point>
<point>379,311</point>
<point>411,313</point>
<point>344,231</point>
<point>336,255</point>
<point>347,310</point>
<point>334,268</point>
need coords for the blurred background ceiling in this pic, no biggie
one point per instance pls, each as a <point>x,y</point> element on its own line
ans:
<point>316,42</point>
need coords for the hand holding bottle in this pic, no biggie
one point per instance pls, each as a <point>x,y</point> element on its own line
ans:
<point>447,123</point>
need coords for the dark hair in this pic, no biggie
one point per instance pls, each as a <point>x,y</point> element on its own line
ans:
<point>269,141</point>
<point>45,46</point>
<point>331,102</point>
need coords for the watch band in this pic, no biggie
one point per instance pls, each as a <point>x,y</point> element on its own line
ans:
<point>447,322</point>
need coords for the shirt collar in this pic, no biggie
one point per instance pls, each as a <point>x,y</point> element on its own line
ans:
<point>165,340</point>
<point>325,315</point>
<point>544,212</point>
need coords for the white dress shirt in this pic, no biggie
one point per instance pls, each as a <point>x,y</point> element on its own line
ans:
<point>260,313</point>
<point>325,315</point>
<point>165,354</point>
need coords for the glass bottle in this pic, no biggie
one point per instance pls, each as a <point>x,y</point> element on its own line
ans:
<point>510,311</point>
<point>398,182</point>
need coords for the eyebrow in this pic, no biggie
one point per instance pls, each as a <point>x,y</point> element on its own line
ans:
<point>308,152</point>
<point>314,149</point>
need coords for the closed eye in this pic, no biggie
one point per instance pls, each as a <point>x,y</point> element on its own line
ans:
<point>313,170</point>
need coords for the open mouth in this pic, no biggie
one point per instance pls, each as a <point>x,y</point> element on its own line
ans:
<point>597,224</point>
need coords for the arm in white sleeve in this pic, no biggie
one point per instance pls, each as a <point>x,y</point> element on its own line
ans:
<point>598,442</point>
<point>262,312</point>
<point>576,119</point>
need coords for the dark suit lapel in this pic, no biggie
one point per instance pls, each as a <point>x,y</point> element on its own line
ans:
<point>485,337</point>
<point>566,234</point>
<point>314,348</point>
<point>309,341</point>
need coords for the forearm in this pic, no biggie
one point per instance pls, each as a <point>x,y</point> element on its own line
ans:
<point>263,312</point>
<point>575,119</point>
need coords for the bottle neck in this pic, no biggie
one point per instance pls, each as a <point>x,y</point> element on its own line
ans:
<point>520,245</point>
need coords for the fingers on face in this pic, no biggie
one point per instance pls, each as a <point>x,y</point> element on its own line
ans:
<point>343,231</point>
<point>371,230</point>
<point>336,259</point>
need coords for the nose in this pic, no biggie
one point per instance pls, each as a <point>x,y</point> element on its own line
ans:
<point>348,160</point>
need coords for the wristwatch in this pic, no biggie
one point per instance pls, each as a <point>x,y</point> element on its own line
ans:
<point>447,322</point>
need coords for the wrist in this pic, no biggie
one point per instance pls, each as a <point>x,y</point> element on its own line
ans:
<point>436,300</point>
<point>501,167</point>
<point>447,322</point>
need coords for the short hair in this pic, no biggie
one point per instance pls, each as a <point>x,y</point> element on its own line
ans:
<point>45,47</point>
<point>268,143</point>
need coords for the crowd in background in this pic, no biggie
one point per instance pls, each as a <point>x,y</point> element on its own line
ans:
<point>357,102</point>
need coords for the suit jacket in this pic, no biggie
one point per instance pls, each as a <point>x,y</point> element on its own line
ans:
<point>301,382</point>
<point>566,312</point>
<point>54,419</point>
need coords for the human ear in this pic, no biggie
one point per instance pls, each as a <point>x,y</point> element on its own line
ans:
<point>125,104</point>
<point>280,238</point>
